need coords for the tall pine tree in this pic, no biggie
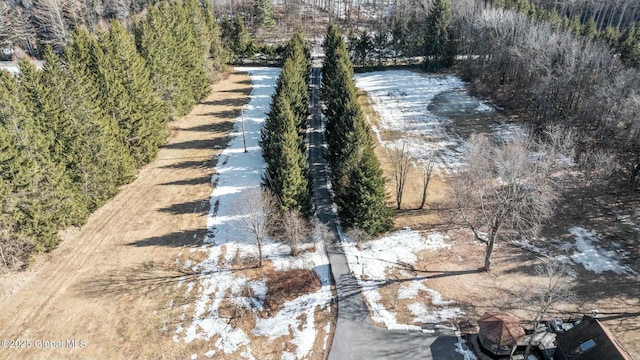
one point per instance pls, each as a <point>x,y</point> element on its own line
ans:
<point>129,95</point>
<point>440,45</point>
<point>357,179</point>
<point>282,138</point>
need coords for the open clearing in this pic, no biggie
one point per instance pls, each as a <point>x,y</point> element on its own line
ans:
<point>110,283</point>
<point>434,266</point>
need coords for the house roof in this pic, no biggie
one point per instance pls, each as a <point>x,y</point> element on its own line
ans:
<point>590,340</point>
<point>501,328</point>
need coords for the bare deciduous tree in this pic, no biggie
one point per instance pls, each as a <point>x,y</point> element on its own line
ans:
<point>503,187</point>
<point>426,167</point>
<point>6,24</point>
<point>258,206</point>
<point>50,22</point>
<point>295,229</point>
<point>401,162</point>
<point>554,288</point>
<point>596,169</point>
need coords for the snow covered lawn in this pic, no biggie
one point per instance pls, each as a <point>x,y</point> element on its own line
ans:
<point>387,263</point>
<point>229,312</point>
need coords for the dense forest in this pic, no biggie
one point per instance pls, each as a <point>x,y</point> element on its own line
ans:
<point>74,132</point>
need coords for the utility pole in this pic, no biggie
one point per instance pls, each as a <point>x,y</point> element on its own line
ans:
<point>244,136</point>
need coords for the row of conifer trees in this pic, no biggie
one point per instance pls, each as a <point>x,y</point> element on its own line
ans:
<point>357,179</point>
<point>72,133</point>
<point>284,134</point>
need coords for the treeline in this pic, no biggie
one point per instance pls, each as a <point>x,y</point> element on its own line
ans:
<point>27,27</point>
<point>622,35</point>
<point>426,32</point>
<point>76,131</point>
<point>31,25</point>
<point>554,76</point>
<point>357,180</point>
<point>283,136</point>
<point>428,38</point>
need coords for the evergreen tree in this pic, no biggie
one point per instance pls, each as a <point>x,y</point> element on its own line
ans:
<point>366,188</point>
<point>51,202</point>
<point>589,29</point>
<point>218,54</point>
<point>17,167</point>
<point>282,138</point>
<point>440,42</point>
<point>629,45</point>
<point>264,13</point>
<point>86,137</point>
<point>292,82</point>
<point>129,95</point>
<point>292,180</point>
<point>356,175</point>
<point>172,55</point>
<point>240,39</point>
<point>193,36</point>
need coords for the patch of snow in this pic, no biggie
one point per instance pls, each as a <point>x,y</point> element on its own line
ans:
<point>625,219</point>
<point>423,315</point>
<point>411,290</point>
<point>194,356</point>
<point>397,249</point>
<point>435,241</point>
<point>288,321</point>
<point>505,132</point>
<point>210,353</point>
<point>461,348</point>
<point>190,286</point>
<point>327,331</point>
<point>227,240</point>
<point>525,244</point>
<point>483,107</point>
<point>593,257</point>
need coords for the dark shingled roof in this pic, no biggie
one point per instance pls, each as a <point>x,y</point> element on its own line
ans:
<point>589,340</point>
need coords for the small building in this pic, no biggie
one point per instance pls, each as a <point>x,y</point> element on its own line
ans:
<point>500,333</point>
<point>589,340</point>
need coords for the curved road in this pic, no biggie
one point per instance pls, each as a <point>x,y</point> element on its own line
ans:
<point>356,337</point>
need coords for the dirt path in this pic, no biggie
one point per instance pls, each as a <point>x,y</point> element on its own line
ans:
<point>111,285</point>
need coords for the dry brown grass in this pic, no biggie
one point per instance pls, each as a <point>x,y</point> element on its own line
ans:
<point>454,272</point>
<point>283,286</point>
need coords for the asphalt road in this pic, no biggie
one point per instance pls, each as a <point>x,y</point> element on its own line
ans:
<point>356,337</point>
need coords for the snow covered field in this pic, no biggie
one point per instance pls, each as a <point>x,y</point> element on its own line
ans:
<point>237,173</point>
<point>402,99</point>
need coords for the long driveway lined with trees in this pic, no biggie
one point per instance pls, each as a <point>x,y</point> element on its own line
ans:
<point>356,337</point>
